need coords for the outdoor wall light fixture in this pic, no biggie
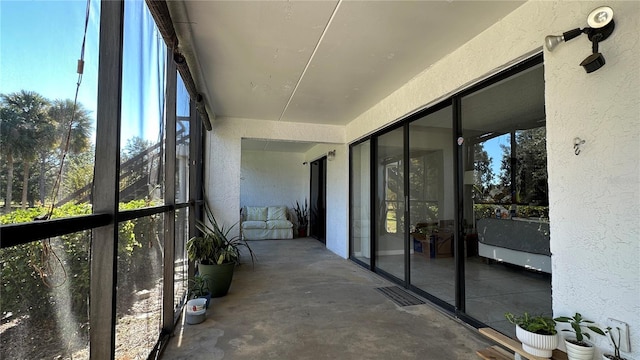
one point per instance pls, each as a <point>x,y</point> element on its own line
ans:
<point>331,155</point>
<point>601,25</point>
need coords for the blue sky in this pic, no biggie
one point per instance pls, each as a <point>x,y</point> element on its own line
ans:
<point>40,44</point>
<point>493,149</point>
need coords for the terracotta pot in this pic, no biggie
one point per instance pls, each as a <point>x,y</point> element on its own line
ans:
<point>537,344</point>
<point>578,352</point>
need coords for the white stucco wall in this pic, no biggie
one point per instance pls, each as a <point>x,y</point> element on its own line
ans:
<point>337,195</point>
<point>223,157</point>
<point>594,197</point>
<point>273,178</point>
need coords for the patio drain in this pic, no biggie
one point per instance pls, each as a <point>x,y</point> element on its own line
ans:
<point>400,296</point>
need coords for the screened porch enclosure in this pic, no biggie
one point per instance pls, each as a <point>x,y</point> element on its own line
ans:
<point>109,185</point>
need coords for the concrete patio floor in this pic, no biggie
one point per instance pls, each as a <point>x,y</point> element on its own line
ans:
<point>301,301</point>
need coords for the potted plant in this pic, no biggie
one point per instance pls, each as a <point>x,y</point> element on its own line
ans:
<point>217,253</point>
<point>198,288</point>
<point>615,340</point>
<point>578,348</point>
<point>302,215</point>
<point>537,333</point>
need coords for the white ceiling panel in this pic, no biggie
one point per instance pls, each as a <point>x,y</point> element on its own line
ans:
<point>319,61</point>
<point>253,53</point>
<point>372,48</point>
<point>277,146</point>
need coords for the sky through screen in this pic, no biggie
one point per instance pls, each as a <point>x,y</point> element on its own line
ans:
<point>40,44</point>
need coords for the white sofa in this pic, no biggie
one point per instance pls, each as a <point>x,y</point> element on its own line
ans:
<point>266,222</point>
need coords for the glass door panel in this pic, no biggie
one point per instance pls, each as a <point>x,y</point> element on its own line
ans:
<point>318,202</point>
<point>506,217</point>
<point>431,204</point>
<point>361,202</point>
<point>390,204</point>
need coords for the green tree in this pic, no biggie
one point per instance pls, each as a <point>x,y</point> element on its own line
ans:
<point>8,142</point>
<point>71,134</point>
<point>482,172</point>
<point>79,173</point>
<point>531,172</point>
<point>530,167</point>
<point>137,159</point>
<point>32,130</point>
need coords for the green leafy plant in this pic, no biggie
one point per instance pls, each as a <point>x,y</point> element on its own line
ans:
<point>302,214</point>
<point>577,323</point>
<point>538,324</point>
<point>30,273</point>
<point>216,245</point>
<point>198,286</point>
<point>616,344</point>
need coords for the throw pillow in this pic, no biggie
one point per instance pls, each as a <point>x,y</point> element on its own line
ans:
<point>277,213</point>
<point>255,213</point>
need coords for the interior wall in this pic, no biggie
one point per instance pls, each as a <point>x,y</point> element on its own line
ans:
<point>223,162</point>
<point>337,239</point>
<point>595,232</point>
<point>438,139</point>
<point>273,178</point>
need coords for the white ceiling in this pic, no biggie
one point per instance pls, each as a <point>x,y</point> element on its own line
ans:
<point>277,146</point>
<point>318,61</point>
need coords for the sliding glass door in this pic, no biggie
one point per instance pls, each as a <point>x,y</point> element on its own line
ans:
<point>431,204</point>
<point>460,200</point>
<point>361,202</point>
<point>508,267</point>
<point>390,204</point>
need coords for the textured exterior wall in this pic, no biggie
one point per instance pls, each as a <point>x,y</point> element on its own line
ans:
<point>595,197</point>
<point>273,178</point>
<point>337,195</point>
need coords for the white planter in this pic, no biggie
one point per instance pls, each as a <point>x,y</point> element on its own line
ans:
<point>577,352</point>
<point>604,357</point>
<point>536,344</point>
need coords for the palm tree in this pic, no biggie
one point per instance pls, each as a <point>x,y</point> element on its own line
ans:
<point>8,143</point>
<point>31,129</point>
<point>73,126</point>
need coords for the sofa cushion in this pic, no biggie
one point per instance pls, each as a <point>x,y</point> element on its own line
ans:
<point>255,213</point>
<point>253,224</point>
<point>277,213</point>
<point>279,224</point>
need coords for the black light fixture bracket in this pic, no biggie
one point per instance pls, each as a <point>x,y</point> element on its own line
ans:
<point>601,26</point>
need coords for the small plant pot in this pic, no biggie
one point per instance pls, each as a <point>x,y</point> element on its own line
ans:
<point>612,357</point>
<point>537,344</point>
<point>578,352</point>
<point>196,311</point>
<point>207,297</point>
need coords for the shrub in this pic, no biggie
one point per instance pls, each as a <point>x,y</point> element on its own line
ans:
<point>31,272</point>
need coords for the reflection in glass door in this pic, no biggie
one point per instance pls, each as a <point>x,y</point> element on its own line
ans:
<point>432,205</point>
<point>361,202</point>
<point>486,196</point>
<point>390,204</point>
<point>506,203</point>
